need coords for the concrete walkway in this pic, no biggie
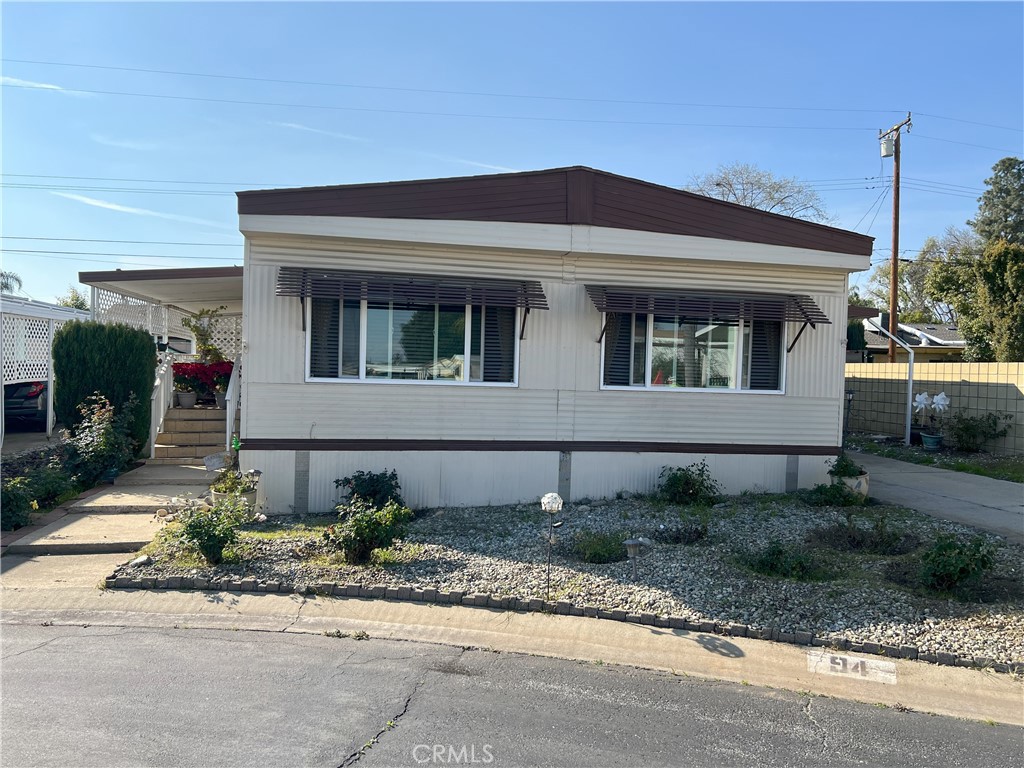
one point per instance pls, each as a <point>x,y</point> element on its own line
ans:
<point>994,505</point>
<point>118,518</point>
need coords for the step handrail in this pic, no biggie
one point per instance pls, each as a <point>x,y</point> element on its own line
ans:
<point>161,399</point>
<point>233,400</point>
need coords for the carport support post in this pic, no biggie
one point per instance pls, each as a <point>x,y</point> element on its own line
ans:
<point>49,382</point>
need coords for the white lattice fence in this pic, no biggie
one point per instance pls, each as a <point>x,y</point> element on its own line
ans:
<point>26,348</point>
<point>227,335</point>
<point>174,324</point>
<point>114,307</point>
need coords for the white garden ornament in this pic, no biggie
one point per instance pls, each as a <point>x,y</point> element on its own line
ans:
<point>922,402</point>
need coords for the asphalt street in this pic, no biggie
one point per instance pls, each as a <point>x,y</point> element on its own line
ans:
<point>108,696</point>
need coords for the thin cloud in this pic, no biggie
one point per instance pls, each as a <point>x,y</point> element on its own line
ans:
<point>29,83</point>
<point>18,82</point>
<point>332,134</point>
<point>474,163</point>
<point>106,205</point>
<point>140,146</point>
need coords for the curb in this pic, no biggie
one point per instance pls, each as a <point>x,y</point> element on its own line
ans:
<point>560,607</point>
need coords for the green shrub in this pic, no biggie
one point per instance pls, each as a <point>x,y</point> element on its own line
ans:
<point>970,433</point>
<point>377,488</point>
<point>211,529</point>
<point>48,485</point>
<point>834,495</point>
<point>115,360</point>
<point>598,547</point>
<point>100,445</point>
<point>879,539</point>
<point>786,562</point>
<point>235,482</point>
<point>688,485</point>
<point>844,466</point>
<point>15,503</point>
<point>362,528</point>
<point>950,561</point>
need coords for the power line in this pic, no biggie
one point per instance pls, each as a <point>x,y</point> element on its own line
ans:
<point>280,81</point>
<point>75,188</point>
<point>885,194</point>
<point>876,202</point>
<point>149,181</point>
<point>962,143</point>
<point>970,122</point>
<point>130,242</point>
<point>437,114</point>
<point>102,261</point>
<point>126,255</point>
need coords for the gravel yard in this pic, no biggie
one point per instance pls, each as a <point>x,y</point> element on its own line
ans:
<point>503,551</point>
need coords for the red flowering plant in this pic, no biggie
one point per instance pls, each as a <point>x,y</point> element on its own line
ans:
<point>192,377</point>
<point>220,375</point>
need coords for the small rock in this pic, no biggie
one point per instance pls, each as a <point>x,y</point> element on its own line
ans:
<point>161,512</point>
<point>583,509</point>
<point>140,561</point>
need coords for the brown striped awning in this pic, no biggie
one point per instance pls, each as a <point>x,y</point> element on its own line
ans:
<point>412,289</point>
<point>717,306</point>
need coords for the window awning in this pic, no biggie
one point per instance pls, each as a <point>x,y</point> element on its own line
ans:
<point>718,306</point>
<point>413,289</point>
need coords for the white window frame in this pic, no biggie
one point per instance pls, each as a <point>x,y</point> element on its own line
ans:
<point>737,377</point>
<point>364,379</point>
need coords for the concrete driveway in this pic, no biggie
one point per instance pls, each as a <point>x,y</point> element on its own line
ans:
<point>994,505</point>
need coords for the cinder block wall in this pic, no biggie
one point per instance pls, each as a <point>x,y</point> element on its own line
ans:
<point>880,395</point>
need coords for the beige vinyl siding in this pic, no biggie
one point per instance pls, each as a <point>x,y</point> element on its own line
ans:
<point>440,478</point>
<point>277,483</point>
<point>559,396</point>
<point>602,475</point>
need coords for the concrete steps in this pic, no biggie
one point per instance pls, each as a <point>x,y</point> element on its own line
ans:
<point>178,474</point>
<point>147,499</point>
<point>120,518</point>
<point>90,534</point>
<point>191,434</point>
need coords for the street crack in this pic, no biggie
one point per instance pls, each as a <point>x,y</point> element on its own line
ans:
<point>806,709</point>
<point>391,724</point>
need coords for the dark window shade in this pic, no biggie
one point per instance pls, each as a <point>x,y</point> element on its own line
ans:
<point>323,342</point>
<point>765,355</point>
<point>499,344</point>
<point>409,289</point>
<point>617,335</point>
<point>350,339</point>
<point>718,307</point>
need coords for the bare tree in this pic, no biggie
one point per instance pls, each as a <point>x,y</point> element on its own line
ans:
<point>749,185</point>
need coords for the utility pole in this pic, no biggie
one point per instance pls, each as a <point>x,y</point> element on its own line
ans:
<point>890,141</point>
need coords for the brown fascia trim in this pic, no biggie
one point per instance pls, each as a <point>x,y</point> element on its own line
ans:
<point>583,446</point>
<point>185,273</point>
<point>579,203</point>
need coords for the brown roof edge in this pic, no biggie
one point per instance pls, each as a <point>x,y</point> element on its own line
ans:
<point>575,174</point>
<point>197,273</point>
<point>569,195</point>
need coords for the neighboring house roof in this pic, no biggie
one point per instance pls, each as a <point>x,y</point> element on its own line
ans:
<point>576,195</point>
<point>915,335</point>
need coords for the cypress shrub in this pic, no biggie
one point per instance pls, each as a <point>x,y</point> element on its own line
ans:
<point>115,360</point>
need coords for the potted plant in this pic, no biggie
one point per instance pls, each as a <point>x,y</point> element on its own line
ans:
<point>850,474</point>
<point>187,384</point>
<point>231,482</point>
<point>931,408</point>
<point>220,375</point>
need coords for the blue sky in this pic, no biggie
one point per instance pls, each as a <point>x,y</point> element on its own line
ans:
<point>799,89</point>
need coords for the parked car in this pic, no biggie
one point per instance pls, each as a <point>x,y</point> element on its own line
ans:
<point>26,400</point>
